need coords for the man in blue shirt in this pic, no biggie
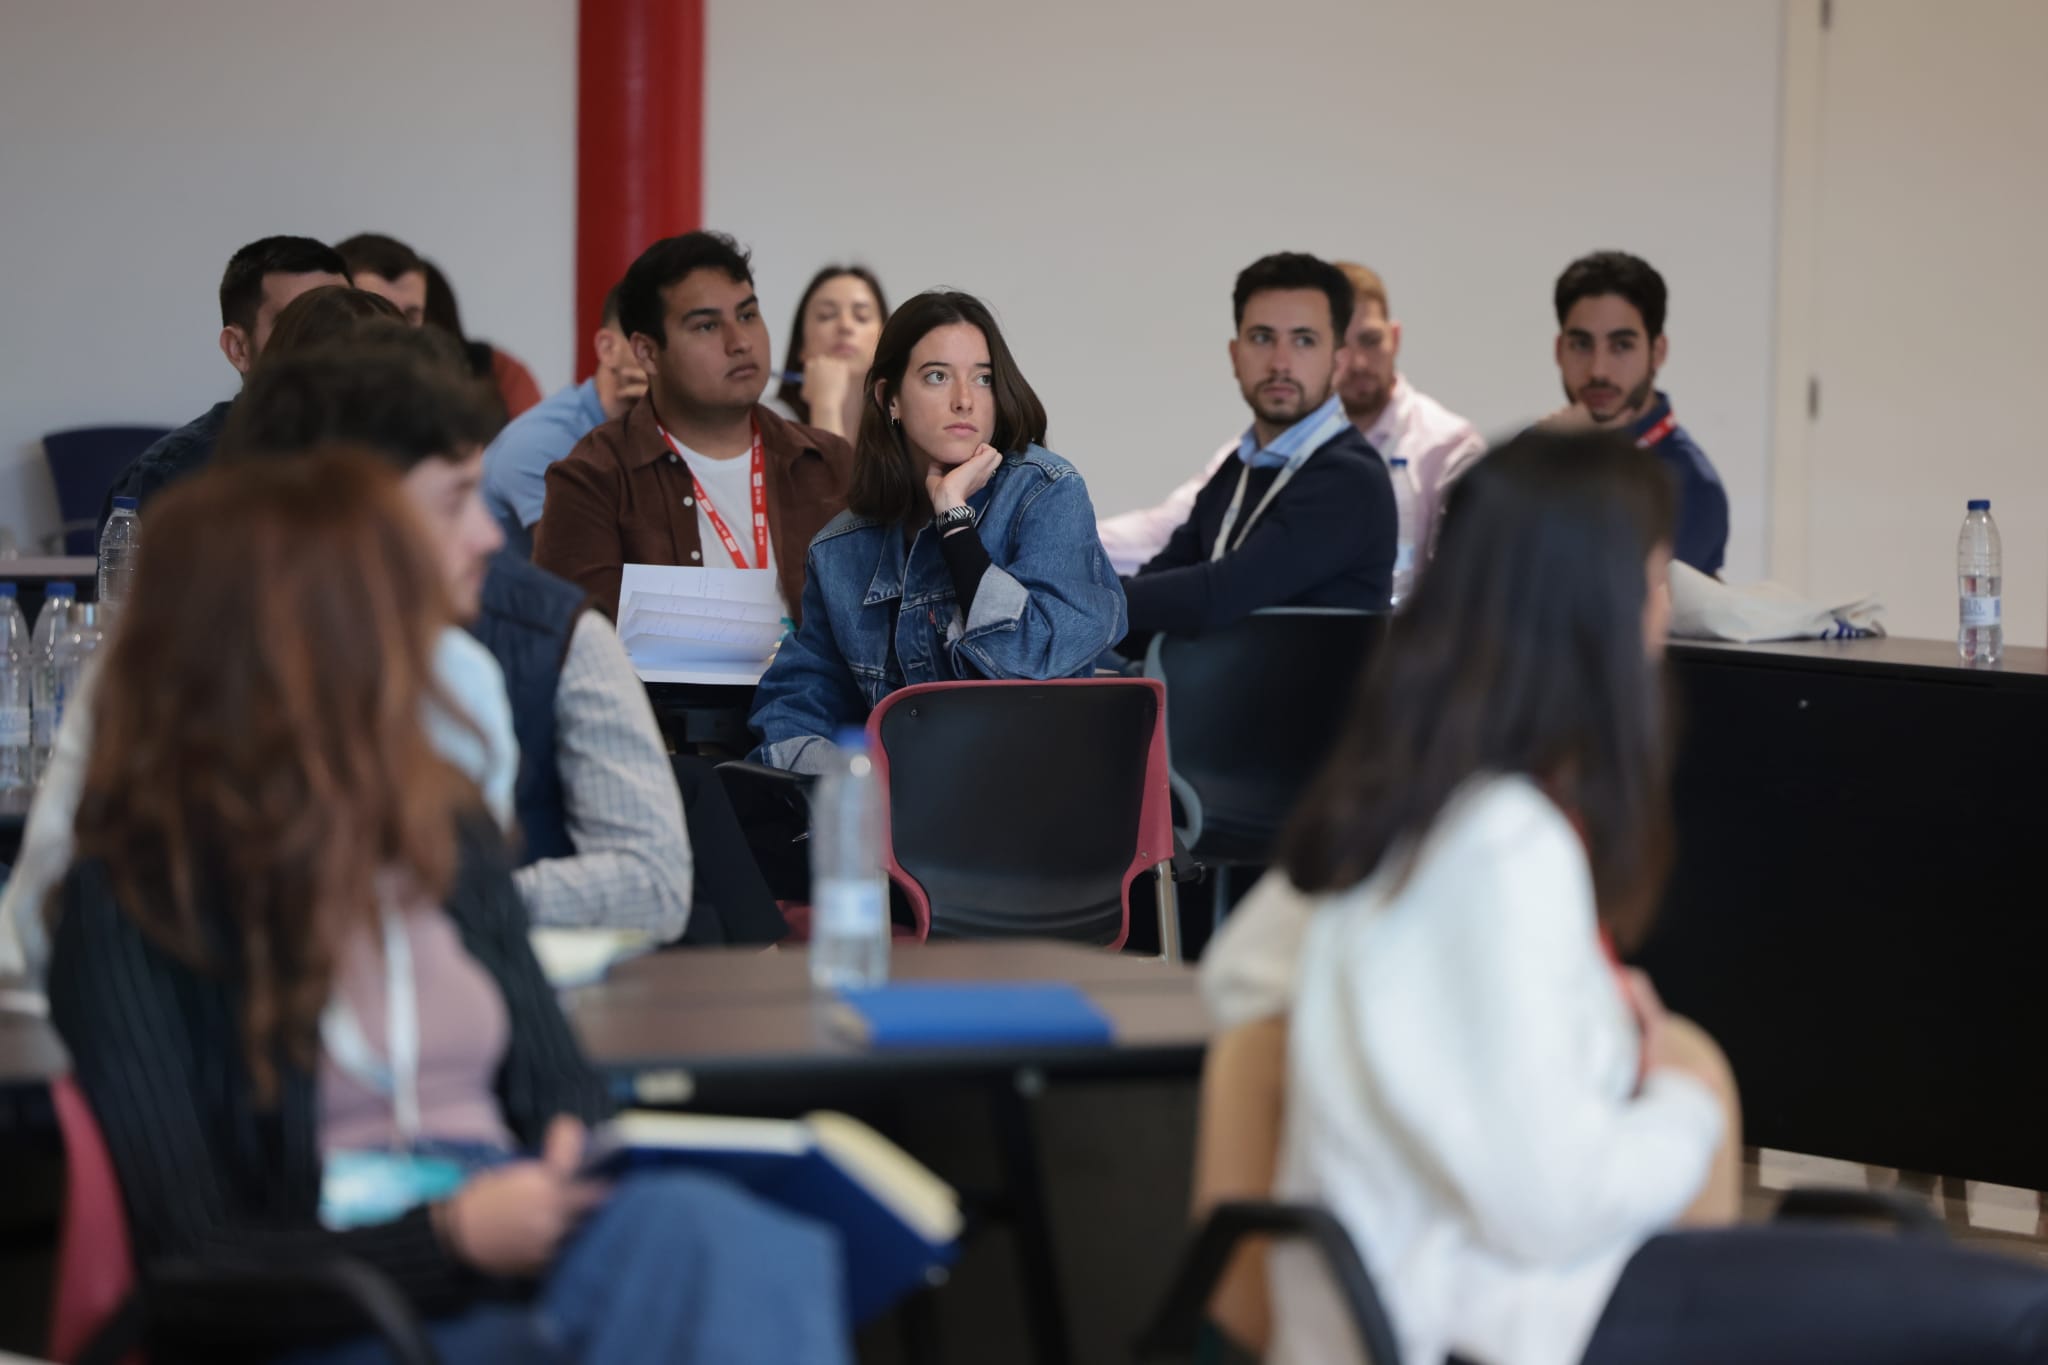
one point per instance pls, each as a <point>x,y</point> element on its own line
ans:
<point>1610,346</point>
<point>516,463</point>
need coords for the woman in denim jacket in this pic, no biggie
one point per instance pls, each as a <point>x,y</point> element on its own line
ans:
<point>967,550</point>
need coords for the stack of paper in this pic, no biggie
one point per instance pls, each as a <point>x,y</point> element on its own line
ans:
<point>700,625</point>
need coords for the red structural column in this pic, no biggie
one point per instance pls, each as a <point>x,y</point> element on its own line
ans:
<point>639,140</point>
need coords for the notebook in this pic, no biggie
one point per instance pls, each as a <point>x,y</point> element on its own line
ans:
<point>971,1013</point>
<point>899,1224</point>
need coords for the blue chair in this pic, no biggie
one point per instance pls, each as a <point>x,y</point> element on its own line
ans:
<point>84,462</point>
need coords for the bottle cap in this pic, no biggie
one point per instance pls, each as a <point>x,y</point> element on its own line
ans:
<point>852,738</point>
<point>60,588</point>
<point>1980,504</point>
<point>7,590</point>
<point>126,504</point>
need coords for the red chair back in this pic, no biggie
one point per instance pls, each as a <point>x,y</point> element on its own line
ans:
<point>1024,808</point>
<point>95,1261</point>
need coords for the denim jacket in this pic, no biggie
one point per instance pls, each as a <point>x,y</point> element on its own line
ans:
<point>1047,607</point>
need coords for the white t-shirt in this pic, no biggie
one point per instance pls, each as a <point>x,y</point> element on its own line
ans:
<point>729,485</point>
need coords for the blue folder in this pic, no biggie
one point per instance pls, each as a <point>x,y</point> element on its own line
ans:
<point>927,1014</point>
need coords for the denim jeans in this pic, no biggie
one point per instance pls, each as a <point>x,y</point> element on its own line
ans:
<point>676,1266</point>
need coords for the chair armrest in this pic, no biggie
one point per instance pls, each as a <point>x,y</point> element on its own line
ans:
<point>1174,1327</point>
<point>1904,1213</point>
<point>186,1300</point>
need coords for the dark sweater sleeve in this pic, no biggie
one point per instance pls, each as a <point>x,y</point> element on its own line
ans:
<point>1184,547</point>
<point>545,1072</point>
<point>966,560</point>
<point>1332,518</point>
<point>148,1038</point>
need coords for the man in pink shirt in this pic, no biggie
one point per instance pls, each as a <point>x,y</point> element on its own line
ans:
<point>1397,419</point>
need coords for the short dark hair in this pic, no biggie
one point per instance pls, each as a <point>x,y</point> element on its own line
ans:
<point>608,316</point>
<point>402,392</point>
<point>380,255</point>
<point>885,485</point>
<point>1614,272</point>
<point>791,391</point>
<point>663,264</point>
<point>1295,270</point>
<point>325,314</point>
<point>1521,654</point>
<point>241,285</point>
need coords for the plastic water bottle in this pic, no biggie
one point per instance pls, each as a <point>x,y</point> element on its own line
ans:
<point>1406,501</point>
<point>60,600</point>
<point>849,897</point>
<point>120,542</point>
<point>76,644</point>
<point>15,676</point>
<point>1980,638</point>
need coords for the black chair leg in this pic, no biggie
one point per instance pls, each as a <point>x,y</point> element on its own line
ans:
<point>1024,1191</point>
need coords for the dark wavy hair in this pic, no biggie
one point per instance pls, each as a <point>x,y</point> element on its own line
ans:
<point>1296,270</point>
<point>1614,272</point>
<point>885,484</point>
<point>1521,652</point>
<point>791,391</point>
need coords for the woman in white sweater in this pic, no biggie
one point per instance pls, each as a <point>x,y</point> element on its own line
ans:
<point>1506,1121</point>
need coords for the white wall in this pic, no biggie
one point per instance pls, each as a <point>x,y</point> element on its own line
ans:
<point>1099,170</point>
<point>1913,423</point>
<point>142,142</point>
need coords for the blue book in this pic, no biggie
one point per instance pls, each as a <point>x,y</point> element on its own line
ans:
<point>972,1013</point>
<point>899,1224</point>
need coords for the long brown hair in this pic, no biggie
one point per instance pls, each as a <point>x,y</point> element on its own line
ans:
<point>1522,652</point>
<point>259,752</point>
<point>885,484</point>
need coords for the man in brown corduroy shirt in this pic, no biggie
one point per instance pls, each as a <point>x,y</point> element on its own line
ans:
<point>697,473</point>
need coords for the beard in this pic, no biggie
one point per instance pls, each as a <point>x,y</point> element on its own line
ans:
<point>1632,403</point>
<point>1366,393</point>
<point>1285,408</point>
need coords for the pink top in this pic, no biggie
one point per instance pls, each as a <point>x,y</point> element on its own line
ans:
<point>1437,444</point>
<point>464,1029</point>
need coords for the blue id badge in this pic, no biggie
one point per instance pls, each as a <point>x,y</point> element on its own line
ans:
<point>360,1188</point>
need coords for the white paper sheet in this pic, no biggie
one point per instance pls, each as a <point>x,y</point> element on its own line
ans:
<point>683,624</point>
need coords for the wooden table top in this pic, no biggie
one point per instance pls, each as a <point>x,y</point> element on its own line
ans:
<point>669,1022</point>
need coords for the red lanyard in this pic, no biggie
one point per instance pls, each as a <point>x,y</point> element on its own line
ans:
<point>758,482</point>
<point>1657,433</point>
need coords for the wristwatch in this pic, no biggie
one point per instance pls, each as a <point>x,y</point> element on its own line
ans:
<point>953,518</point>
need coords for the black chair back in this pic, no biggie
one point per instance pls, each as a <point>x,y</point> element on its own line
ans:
<point>1251,713</point>
<point>1024,809</point>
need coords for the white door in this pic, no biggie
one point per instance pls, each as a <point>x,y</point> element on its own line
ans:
<point>1929,298</point>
